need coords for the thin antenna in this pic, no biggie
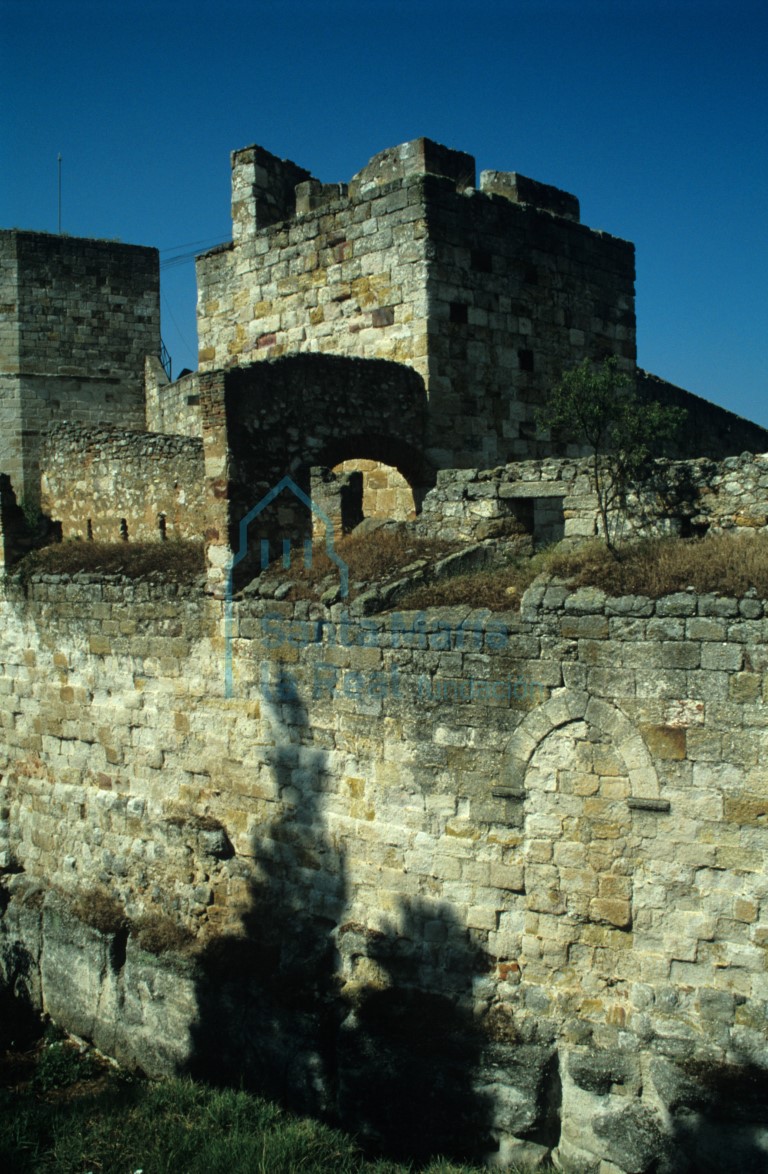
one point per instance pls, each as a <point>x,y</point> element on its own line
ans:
<point>59,193</point>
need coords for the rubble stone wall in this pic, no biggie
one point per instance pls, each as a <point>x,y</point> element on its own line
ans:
<point>517,859</point>
<point>552,499</point>
<point>111,485</point>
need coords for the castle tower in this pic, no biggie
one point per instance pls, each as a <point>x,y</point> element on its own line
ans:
<point>488,292</point>
<point>77,318</point>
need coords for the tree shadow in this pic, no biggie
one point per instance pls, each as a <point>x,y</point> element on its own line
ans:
<point>267,997</point>
<point>411,1044</point>
<point>720,1116</point>
<point>372,1030</point>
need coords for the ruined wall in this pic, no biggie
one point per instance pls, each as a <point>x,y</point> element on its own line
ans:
<point>270,420</point>
<point>111,485</point>
<point>78,317</point>
<point>500,876</point>
<point>553,499</point>
<point>488,294</point>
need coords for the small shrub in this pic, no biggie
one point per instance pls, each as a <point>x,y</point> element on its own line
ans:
<point>156,933</point>
<point>100,910</point>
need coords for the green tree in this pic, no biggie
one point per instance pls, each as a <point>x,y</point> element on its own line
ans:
<point>595,405</point>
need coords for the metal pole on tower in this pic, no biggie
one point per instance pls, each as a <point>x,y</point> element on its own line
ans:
<point>59,193</point>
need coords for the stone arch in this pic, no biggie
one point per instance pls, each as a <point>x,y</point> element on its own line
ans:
<point>386,472</point>
<point>280,418</point>
<point>568,705</point>
<point>578,766</point>
<point>397,453</point>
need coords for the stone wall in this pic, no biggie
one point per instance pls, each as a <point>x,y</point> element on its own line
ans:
<point>553,499</point>
<point>268,421</point>
<point>77,318</point>
<point>111,485</point>
<point>709,430</point>
<point>488,294</point>
<point>449,875</point>
<point>172,406</point>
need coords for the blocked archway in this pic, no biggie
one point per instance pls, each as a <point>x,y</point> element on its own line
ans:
<point>579,767</point>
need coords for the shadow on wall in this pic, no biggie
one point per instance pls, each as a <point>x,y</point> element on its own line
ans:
<point>372,1030</point>
<point>721,1117</point>
<point>411,1046</point>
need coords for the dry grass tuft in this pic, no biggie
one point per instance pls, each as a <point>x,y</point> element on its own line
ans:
<point>100,910</point>
<point>177,561</point>
<point>372,557</point>
<point>156,933</point>
<point>729,564</point>
<point>497,589</point>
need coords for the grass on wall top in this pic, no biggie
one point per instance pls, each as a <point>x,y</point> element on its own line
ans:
<point>728,564</point>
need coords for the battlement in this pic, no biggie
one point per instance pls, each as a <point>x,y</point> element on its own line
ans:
<point>417,157</point>
<point>521,190</point>
<point>263,190</point>
<point>267,190</point>
<point>487,293</point>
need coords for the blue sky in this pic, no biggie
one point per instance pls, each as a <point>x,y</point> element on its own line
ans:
<point>654,114</point>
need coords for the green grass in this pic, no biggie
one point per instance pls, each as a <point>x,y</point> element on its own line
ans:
<point>174,1127</point>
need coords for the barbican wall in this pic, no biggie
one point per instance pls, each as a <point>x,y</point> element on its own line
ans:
<point>112,485</point>
<point>501,876</point>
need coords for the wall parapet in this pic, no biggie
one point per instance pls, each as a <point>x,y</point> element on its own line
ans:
<point>137,486</point>
<point>553,498</point>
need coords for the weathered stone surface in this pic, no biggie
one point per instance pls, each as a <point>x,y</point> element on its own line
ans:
<point>341,827</point>
<point>80,317</point>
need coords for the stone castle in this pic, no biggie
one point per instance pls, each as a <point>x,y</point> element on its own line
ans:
<point>490,884</point>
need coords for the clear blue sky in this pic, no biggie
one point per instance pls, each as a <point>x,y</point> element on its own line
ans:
<point>655,114</point>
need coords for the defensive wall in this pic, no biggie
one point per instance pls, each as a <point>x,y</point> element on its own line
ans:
<point>77,318</point>
<point>462,881</point>
<point>488,293</point>
<point>442,876</point>
<point>153,487</point>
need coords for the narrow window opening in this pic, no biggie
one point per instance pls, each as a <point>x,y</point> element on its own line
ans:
<point>458,313</point>
<point>161,527</point>
<point>124,529</point>
<point>525,359</point>
<point>531,275</point>
<point>89,530</point>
